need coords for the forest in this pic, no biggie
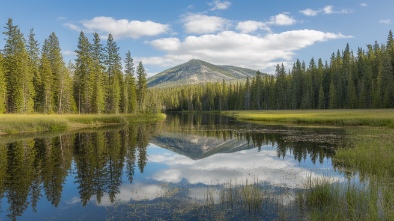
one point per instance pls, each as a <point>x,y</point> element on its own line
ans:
<point>348,81</point>
<point>37,80</point>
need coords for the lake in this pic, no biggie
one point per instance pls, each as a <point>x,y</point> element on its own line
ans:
<point>190,167</point>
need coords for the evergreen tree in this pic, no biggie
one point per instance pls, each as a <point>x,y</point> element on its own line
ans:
<point>45,96</point>
<point>114,75</point>
<point>98,68</point>
<point>83,77</point>
<point>141,86</point>
<point>130,88</point>
<point>34,63</point>
<point>3,86</point>
<point>19,78</point>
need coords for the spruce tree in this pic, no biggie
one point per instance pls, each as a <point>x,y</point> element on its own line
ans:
<point>3,87</point>
<point>19,78</point>
<point>130,84</point>
<point>34,63</point>
<point>83,80</point>
<point>114,76</point>
<point>98,68</point>
<point>141,85</point>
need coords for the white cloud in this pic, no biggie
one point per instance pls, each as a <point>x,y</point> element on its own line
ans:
<point>166,44</point>
<point>329,9</point>
<point>69,53</point>
<point>239,49</point>
<point>363,5</point>
<point>220,5</point>
<point>121,28</point>
<point>385,21</point>
<point>310,12</point>
<point>203,24</point>
<point>282,19</point>
<point>251,26</point>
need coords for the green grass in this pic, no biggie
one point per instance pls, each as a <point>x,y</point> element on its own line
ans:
<point>19,123</point>
<point>324,200</point>
<point>370,152</point>
<point>358,117</point>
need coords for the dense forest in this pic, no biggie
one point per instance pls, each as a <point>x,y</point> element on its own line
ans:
<point>37,80</point>
<point>364,80</point>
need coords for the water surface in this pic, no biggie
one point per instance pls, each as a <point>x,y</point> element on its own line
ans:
<point>170,170</point>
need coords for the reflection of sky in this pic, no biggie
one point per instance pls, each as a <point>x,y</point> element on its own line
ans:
<point>166,166</point>
<point>243,165</point>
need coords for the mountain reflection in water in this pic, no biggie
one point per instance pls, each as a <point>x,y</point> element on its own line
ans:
<point>86,171</point>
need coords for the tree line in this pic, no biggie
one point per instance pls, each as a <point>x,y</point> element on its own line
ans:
<point>364,79</point>
<point>36,79</point>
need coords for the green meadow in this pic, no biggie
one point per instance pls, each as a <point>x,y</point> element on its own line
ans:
<point>20,123</point>
<point>346,117</point>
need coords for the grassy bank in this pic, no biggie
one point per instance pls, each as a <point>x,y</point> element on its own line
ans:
<point>376,118</point>
<point>19,123</point>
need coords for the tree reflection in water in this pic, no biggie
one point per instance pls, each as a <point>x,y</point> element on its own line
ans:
<point>33,168</point>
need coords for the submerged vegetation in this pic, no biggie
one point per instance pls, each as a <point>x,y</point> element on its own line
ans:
<point>18,123</point>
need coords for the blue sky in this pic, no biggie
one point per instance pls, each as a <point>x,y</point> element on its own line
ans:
<point>255,34</point>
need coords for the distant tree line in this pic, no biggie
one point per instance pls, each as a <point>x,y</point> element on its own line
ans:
<point>349,80</point>
<point>36,79</point>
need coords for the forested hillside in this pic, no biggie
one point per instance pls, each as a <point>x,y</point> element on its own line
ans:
<point>37,80</point>
<point>362,79</point>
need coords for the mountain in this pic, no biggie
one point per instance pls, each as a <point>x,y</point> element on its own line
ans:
<point>198,147</point>
<point>197,72</point>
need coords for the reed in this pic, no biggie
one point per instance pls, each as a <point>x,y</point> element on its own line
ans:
<point>347,201</point>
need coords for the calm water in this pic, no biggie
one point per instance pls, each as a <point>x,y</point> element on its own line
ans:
<point>169,171</point>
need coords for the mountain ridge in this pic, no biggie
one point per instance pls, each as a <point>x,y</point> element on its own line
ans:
<point>198,72</point>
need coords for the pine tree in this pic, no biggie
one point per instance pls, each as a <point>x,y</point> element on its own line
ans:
<point>45,88</point>
<point>130,84</point>
<point>19,78</point>
<point>114,76</point>
<point>141,85</point>
<point>34,63</point>
<point>83,86</point>
<point>98,68</point>
<point>60,75</point>
<point>3,86</point>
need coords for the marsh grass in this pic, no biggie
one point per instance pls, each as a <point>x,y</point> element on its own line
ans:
<point>358,117</point>
<point>324,200</point>
<point>19,123</point>
<point>371,152</point>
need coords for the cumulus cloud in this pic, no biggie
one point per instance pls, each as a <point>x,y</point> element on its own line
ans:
<point>121,28</point>
<point>282,19</point>
<point>240,49</point>
<point>363,4</point>
<point>251,26</point>
<point>203,24</point>
<point>219,5</point>
<point>310,12</point>
<point>385,21</point>
<point>328,9</point>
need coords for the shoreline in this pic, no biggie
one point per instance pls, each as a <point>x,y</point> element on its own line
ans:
<point>11,124</point>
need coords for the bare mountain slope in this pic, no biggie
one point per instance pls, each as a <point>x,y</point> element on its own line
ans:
<point>198,72</point>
